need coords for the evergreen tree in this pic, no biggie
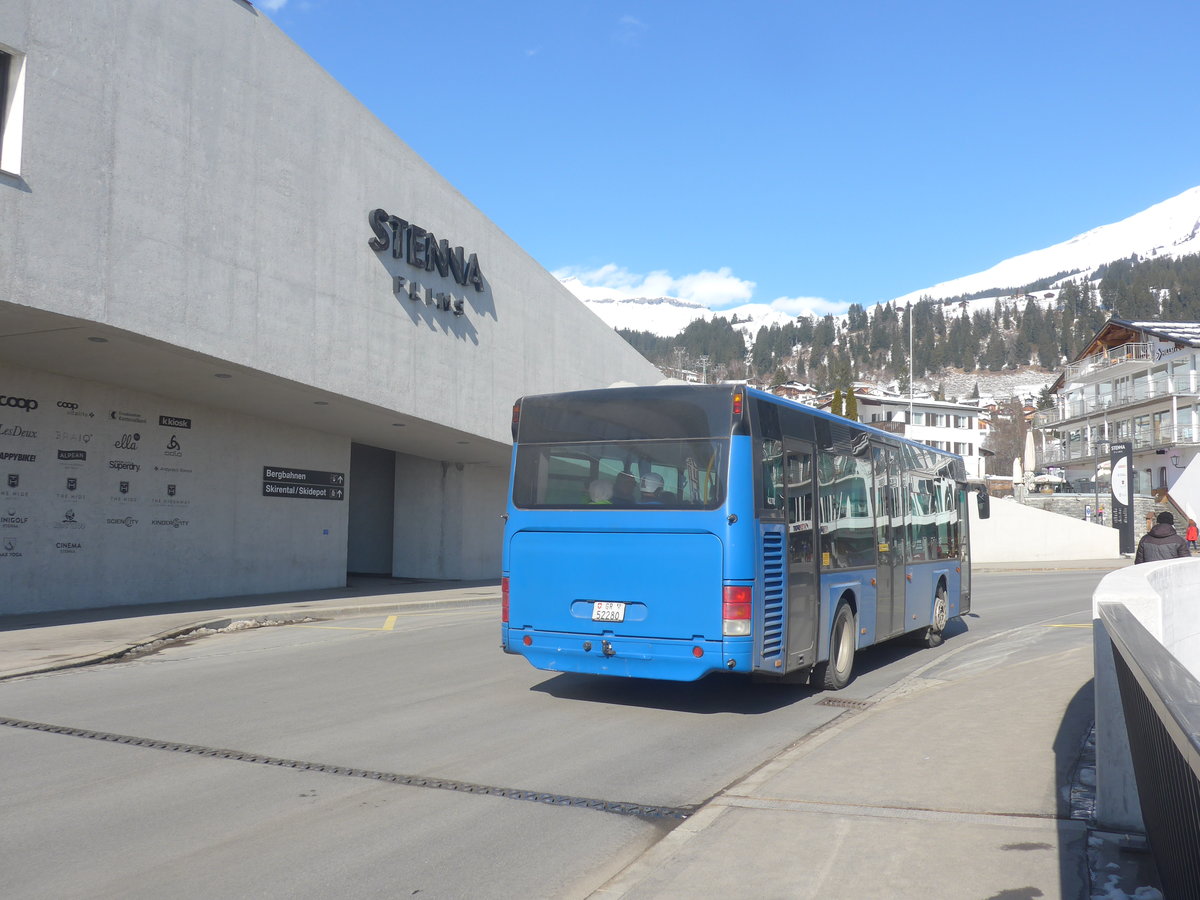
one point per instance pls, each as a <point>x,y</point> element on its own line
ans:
<point>851,405</point>
<point>835,405</point>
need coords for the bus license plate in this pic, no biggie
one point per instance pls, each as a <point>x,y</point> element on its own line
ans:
<point>606,611</point>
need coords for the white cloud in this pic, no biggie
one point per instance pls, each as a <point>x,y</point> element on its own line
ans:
<point>711,289</point>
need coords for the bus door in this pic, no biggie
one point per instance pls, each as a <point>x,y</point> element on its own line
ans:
<point>889,541</point>
<point>798,466</point>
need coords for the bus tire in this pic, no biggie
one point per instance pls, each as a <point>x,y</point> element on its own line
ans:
<point>835,673</point>
<point>933,635</point>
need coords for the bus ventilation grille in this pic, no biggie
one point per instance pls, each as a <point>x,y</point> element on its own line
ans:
<point>772,612</point>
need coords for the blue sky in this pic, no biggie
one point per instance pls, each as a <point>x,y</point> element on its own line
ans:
<point>802,153</point>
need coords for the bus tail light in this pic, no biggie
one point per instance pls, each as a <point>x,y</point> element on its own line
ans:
<point>516,419</point>
<point>504,599</point>
<point>735,609</point>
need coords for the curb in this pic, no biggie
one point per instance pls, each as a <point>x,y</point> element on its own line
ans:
<point>257,619</point>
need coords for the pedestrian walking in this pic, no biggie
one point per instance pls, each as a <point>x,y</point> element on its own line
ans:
<point>1161,542</point>
<point>1191,534</point>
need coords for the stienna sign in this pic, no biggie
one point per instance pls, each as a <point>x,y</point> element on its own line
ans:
<point>423,251</point>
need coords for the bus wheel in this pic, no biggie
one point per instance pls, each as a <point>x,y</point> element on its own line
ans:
<point>834,674</point>
<point>932,636</point>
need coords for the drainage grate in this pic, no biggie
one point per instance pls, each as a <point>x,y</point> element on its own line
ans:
<point>845,702</point>
<point>619,808</point>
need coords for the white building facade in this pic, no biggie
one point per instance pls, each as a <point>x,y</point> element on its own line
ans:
<point>946,426</point>
<point>249,340</point>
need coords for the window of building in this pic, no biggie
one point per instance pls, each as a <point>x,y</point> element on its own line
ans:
<point>12,104</point>
<point>918,418</point>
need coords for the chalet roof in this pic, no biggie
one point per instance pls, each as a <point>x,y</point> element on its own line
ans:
<point>1181,332</point>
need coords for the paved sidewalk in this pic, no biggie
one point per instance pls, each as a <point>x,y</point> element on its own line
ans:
<point>44,642</point>
<point>930,789</point>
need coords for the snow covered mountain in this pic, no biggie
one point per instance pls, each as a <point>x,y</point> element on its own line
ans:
<point>1167,229</point>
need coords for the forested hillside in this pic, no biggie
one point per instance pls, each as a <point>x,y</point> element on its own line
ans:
<point>1040,325</point>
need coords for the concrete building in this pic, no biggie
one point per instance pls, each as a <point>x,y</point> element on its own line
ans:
<point>249,340</point>
<point>1136,382</point>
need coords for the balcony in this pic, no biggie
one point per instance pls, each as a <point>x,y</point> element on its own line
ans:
<point>1143,439</point>
<point>1141,352</point>
<point>1161,387</point>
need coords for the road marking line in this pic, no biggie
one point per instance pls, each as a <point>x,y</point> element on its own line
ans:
<point>1088,625</point>
<point>390,623</point>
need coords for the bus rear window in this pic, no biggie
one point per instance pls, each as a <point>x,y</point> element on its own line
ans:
<point>667,474</point>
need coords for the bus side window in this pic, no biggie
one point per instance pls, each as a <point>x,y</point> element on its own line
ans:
<point>772,474</point>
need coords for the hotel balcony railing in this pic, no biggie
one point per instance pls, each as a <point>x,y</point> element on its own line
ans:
<point>1140,352</point>
<point>1142,440</point>
<point>1163,386</point>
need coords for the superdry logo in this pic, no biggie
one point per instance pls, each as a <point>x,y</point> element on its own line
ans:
<point>66,455</point>
<point>124,465</point>
<point>20,457</point>
<point>19,403</point>
<point>17,431</point>
<point>170,523</point>
<point>174,422</point>
<point>128,521</point>
<point>128,441</point>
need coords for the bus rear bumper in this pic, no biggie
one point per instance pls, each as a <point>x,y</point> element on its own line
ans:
<point>629,657</point>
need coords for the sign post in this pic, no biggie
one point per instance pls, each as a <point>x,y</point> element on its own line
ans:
<point>1121,460</point>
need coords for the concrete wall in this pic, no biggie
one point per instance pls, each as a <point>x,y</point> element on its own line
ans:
<point>448,521</point>
<point>1162,596</point>
<point>153,512</point>
<point>1015,533</point>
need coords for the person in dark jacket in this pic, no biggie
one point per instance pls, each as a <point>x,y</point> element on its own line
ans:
<point>1161,542</point>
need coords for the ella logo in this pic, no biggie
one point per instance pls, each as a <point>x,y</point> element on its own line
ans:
<point>128,441</point>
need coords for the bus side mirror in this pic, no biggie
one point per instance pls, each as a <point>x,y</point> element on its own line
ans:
<point>985,503</point>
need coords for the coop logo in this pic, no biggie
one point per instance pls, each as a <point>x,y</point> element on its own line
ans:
<point>128,441</point>
<point>17,431</point>
<point>122,416</point>
<point>128,521</point>
<point>124,465</point>
<point>9,549</point>
<point>12,520</point>
<point>170,523</point>
<point>72,455</point>
<point>174,422</point>
<point>63,404</point>
<point>24,403</point>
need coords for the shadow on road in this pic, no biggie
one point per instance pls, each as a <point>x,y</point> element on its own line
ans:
<point>722,692</point>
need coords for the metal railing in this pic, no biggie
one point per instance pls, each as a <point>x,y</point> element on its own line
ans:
<point>1143,439</point>
<point>1161,702</point>
<point>1136,352</point>
<point>1160,387</point>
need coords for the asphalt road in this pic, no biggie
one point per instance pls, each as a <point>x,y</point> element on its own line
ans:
<point>422,696</point>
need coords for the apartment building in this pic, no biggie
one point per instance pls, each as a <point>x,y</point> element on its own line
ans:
<point>1135,382</point>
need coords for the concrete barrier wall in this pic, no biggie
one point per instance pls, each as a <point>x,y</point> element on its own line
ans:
<point>1162,596</point>
<point>1016,533</point>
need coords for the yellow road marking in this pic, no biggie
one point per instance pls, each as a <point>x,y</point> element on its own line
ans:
<point>390,623</point>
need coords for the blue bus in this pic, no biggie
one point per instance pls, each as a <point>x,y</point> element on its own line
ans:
<point>673,531</point>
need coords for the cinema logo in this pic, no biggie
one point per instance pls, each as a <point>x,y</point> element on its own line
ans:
<point>423,251</point>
